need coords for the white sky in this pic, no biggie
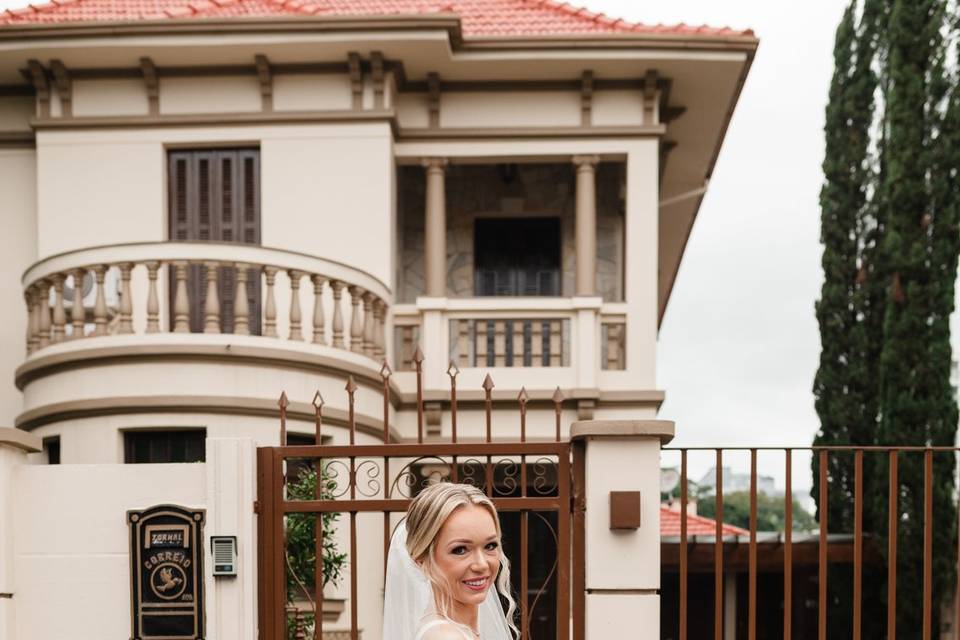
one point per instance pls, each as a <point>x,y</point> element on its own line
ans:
<point>739,345</point>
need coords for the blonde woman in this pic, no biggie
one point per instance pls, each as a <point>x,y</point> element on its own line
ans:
<point>446,568</point>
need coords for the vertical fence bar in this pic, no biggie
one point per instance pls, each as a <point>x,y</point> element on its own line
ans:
<point>418,363</point>
<point>788,547</point>
<point>488,411</point>
<point>385,373</point>
<point>279,579</point>
<point>822,584</point>
<point>857,542</point>
<point>927,544</point>
<point>283,403</point>
<point>683,544</point>
<point>893,518</point>
<point>524,524</point>
<point>752,596</point>
<point>352,422</point>
<point>452,371</point>
<point>579,540</point>
<point>718,553</point>
<point>266,543</point>
<point>318,525</point>
<point>563,545</point>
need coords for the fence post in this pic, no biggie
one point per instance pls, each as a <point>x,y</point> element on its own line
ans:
<point>14,447</point>
<point>622,525</point>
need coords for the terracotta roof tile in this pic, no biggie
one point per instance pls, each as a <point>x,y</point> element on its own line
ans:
<point>479,17</point>
<point>696,525</point>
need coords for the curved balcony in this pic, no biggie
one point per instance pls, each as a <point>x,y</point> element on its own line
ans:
<point>233,312</point>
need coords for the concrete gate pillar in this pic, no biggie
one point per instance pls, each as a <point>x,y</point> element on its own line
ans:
<point>622,522</point>
<point>14,447</point>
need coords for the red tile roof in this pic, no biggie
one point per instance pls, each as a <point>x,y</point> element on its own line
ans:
<point>478,17</point>
<point>696,525</point>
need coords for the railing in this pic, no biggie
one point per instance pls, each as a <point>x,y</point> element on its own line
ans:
<point>176,287</point>
<point>889,511</point>
<point>514,332</point>
<point>530,483</point>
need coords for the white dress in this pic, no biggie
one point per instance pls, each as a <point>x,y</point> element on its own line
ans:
<point>422,631</point>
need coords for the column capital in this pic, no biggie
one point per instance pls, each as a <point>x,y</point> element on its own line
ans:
<point>434,164</point>
<point>586,162</point>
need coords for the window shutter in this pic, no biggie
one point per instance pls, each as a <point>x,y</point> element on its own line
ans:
<point>214,197</point>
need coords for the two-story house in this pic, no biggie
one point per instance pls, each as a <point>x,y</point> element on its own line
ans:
<point>208,202</point>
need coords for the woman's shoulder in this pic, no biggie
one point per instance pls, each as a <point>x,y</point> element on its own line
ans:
<point>441,630</point>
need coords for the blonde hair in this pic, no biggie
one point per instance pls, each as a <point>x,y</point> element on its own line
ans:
<point>425,517</point>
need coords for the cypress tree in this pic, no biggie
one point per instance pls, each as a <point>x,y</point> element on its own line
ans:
<point>919,253</point>
<point>845,385</point>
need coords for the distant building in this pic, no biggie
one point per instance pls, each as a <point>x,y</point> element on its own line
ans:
<point>735,482</point>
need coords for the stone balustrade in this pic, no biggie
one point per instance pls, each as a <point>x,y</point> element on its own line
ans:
<point>151,288</point>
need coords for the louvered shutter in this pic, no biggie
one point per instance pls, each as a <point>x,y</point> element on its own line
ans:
<point>214,197</point>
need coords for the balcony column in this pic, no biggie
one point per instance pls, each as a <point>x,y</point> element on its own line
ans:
<point>586,225</point>
<point>435,229</point>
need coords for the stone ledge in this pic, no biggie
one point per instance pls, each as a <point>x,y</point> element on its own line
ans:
<point>662,429</point>
<point>19,439</point>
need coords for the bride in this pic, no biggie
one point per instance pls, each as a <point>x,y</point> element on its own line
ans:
<point>445,570</point>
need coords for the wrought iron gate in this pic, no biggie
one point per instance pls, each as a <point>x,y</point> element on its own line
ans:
<point>530,482</point>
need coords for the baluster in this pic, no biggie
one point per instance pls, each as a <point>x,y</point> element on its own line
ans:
<point>406,348</point>
<point>78,316</point>
<point>318,331</point>
<point>181,301</point>
<point>463,342</point>
<point>519,357</point>
<point>368,323</point>
<point>59,315</point>
<point>295,316</point>
<point>43,309</point>
<point>356,329</point>
<point>32,319</point>
<point>337,287</point>
<point>211,308</point>
<point>241,305</point>
<point>380,331</point>
<point>126,301</point>
<point>100,306</point>
<point>499,343</point>
<point>153,298</point>
<point>270,308</point>
<point>482,346</point>
<point>556,354</point>
<point>536,343</point>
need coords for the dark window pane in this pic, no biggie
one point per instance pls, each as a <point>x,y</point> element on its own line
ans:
<point>51,446</point>
<point>184,445</point>
<point>517,257</point>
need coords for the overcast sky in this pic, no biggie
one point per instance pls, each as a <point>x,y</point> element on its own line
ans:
<point>739,344</point>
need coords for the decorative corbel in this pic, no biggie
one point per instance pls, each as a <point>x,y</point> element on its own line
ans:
<point>376,72</point>
<point>266,82</point>
<point>41,86</point>
<point>61,80</point>
<point>356,79</point>
<point>650,97</point>
<point>586,99</point>
<point>152,83</point>
<point>433,104</point>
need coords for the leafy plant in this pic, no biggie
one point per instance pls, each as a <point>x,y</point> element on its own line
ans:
<point>301,542</point>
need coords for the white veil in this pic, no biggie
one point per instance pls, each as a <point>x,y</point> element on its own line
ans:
<point>408,597</point>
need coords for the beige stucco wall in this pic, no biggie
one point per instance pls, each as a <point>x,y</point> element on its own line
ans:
<point>303,92</point>
<point>217,94</point>
<point>72,554</point>
<point>116,97</point>
<point>18,249</point>
<point>510,109</point>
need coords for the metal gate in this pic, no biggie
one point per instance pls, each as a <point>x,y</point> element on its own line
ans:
<point>530,482</point>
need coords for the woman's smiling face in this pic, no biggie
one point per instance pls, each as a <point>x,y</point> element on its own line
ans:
<point>467,554</point>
